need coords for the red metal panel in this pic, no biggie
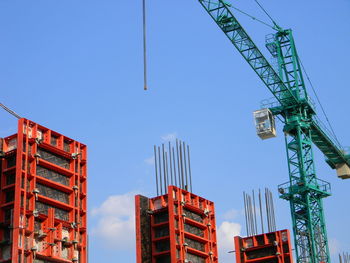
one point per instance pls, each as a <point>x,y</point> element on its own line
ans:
<point>138,229</point>
<point>182,228</point>
<point>270,247</point>
<point>43,197</point>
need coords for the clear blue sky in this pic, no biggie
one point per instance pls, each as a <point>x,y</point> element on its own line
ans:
<point>76,67</point>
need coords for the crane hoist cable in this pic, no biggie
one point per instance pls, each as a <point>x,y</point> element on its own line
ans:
<point>319,102</point>
<point>10,111</point>
<point>144,45</point>
<point>264,10</point>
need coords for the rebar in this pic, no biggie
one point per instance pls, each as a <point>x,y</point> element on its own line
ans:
<point>171,167</point>
<point>178,163</point>
<point>261,213</point>
<point>245,213</point>
<point>160,172</point>
<point>273,220</point>
<point>267,212</point>
<point>185,166</point>
<point>156,169</point>
<point>164,175</point>
<point>248,215</point>
<point>250,211</point>
<point>167,172</point>
<point>167,168</point>
<point>182,167</point>
<point>344,257</point>
<point>173,151</point>
<point>189,166</point>
<point>256,229</point>
<point>251,220</point>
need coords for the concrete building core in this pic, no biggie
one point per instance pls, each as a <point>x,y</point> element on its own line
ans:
<point>176,227</point>
<point>43,194</point>
<point>273,247</point>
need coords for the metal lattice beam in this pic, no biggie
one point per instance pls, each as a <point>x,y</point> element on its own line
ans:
<point>224,18</point>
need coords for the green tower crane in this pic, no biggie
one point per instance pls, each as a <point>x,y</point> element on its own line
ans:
<point>304,191</point>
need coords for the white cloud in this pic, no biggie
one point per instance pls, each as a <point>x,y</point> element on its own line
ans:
<point>169,137</point>
<point>116,221</point>
<point>225,234</point>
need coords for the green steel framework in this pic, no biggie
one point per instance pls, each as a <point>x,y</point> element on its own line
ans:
<point>304,191</point>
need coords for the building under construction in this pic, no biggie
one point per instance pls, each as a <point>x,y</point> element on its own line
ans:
<point>273,247</point>
<point>176,225</point>
<point>43,197</point>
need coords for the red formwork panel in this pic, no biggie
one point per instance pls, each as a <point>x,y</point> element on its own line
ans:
<point>43,197</point>
<point>274,247</point>
<point>177,227</point>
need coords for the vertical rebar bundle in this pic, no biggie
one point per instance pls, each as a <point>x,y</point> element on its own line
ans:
<point>172,166</point>
<point>344,258</point>
<point>251,213</point>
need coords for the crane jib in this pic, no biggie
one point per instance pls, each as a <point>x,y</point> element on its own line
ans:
<point>224,18</point>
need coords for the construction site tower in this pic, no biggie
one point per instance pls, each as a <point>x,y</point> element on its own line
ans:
<point>178,226</point>
<point>43,195</point>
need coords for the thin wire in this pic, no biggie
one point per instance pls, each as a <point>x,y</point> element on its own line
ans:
<point>10,111</point>
<point>319,102</point>
<point>144,46</point>
<point>280,119</point>
<point>308,78</point>
<point>245,13</point>
<point>252,17</point>
<point>273,21</point>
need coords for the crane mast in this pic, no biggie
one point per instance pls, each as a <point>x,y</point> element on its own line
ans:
<point>304,190</point>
